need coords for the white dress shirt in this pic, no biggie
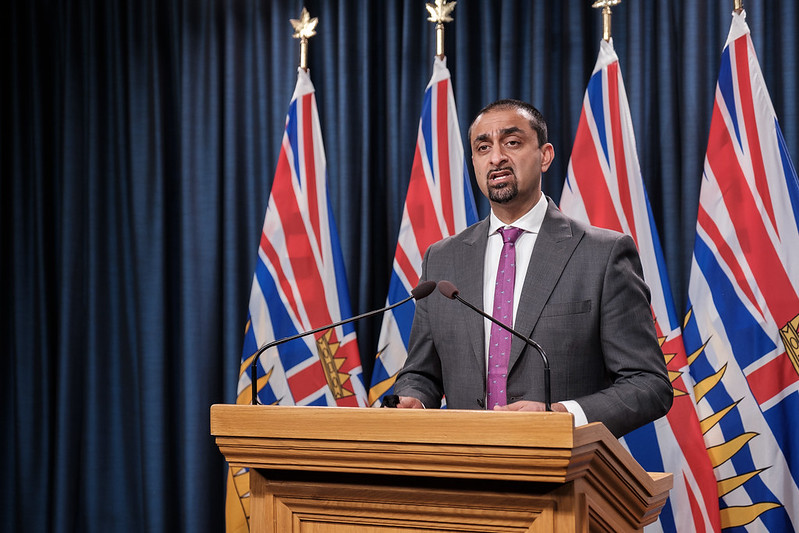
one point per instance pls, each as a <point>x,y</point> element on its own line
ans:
<point>530,222</point>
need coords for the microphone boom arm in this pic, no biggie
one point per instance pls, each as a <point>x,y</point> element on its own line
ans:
<point>420,291</point>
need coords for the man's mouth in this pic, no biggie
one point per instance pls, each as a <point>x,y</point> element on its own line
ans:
<point>501,174</point>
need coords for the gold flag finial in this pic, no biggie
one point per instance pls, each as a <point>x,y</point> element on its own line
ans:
<point>606,12</point>
<point>738,5</point>
<point>440,13</point>
<point>304,28</point>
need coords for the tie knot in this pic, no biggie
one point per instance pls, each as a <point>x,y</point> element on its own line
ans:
<point>510,234</point>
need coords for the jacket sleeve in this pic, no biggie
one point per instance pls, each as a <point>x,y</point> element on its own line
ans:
<point>640,391</point>
<point>420,377</point>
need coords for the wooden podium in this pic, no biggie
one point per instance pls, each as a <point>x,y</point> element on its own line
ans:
<point>345,470</point>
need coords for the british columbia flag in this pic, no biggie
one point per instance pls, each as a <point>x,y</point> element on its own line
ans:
<point>299,284</point>
<point>439,203</point>
<point>604,187</point>
<point>743,309</point>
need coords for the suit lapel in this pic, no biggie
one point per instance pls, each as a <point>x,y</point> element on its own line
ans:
<point>553,248</point>
<point>469,280</point>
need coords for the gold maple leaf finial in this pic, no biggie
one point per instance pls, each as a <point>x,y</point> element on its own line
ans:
<point>304,28</point>
<point>440,13</point>
<point>605,5</point>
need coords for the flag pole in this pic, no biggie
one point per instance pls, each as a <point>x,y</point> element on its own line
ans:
<point>606,12</point>
<point>738,6</point>
<point>304,28</point>
<point>440,13</point>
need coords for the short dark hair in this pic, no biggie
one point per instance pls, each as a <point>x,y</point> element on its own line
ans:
<point>537,121</point>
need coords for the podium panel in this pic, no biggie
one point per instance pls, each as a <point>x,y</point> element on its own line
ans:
<point>336,470</point>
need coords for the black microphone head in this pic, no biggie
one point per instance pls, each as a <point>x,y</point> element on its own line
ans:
<point>447,289</point>
<point>423,290</point>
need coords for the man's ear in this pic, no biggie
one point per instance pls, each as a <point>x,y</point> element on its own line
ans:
<point>547,156</point>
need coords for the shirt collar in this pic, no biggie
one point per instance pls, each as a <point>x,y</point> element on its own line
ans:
<point>530,221</point>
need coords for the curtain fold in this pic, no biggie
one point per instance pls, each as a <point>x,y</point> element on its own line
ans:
<point>139,145</point>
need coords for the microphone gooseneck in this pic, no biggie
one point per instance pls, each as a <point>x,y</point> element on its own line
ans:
<point>422,290</point>
<point>450,291</point>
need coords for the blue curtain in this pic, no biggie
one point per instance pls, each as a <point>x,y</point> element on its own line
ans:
<point>139,141</point>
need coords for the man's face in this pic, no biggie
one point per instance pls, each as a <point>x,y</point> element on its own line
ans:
<point>508,161</point>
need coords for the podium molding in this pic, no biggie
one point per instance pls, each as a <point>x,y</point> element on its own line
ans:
<point>336,470</point>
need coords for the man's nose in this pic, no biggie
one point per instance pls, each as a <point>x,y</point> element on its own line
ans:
<point>498,155</point>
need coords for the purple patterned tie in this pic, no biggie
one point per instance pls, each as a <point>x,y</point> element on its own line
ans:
<point>499,345</point>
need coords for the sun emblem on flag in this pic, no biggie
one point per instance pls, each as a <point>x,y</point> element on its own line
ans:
<point>239,495</point>
<point>733,516</point>
<point>670,353</point>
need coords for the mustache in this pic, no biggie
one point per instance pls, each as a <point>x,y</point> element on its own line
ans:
<point>493,171</point>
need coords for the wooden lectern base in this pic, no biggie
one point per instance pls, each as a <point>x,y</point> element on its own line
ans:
<point>337,470</point>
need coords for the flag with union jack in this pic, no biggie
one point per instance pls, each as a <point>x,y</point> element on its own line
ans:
<point>299,284</point>
<point>743,309</point>
<point>604,187</point>
<point>439,203</point>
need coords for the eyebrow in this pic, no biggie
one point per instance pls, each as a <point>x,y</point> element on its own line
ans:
<point>502,133</point>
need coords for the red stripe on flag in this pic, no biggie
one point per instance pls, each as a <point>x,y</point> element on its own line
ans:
<point>421,210</point>
<point>752,133</point>
<point>271,253</point>
<point>298,249</point>
<point>593,189</point>
<point>307,111</point>
<point>307,381</point>
<point>763,260</point>
<point>772,378</point>
<point>274,259</point>
<point>349,401</point>
<point>684,421</point>
<point>696,511</point>
<point>442,127</point>
<point>709,226</point>
<point>406,266</point>
<point>349,351</point>
<point>618,147</point>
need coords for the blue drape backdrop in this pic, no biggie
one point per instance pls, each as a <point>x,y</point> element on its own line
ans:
<point>139,141</point>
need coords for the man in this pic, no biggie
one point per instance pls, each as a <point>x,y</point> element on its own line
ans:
<point>575,289</point>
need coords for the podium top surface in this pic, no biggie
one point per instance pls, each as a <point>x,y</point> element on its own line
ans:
<point>521,446</point>
<point>428,426</point>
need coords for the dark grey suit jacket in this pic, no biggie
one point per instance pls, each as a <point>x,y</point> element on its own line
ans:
<point>583,300</point>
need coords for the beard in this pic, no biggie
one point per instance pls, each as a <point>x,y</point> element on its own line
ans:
<point>504,192</point>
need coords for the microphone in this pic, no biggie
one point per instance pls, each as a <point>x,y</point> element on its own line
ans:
<point>423,290</point>
<point>450,291</point>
